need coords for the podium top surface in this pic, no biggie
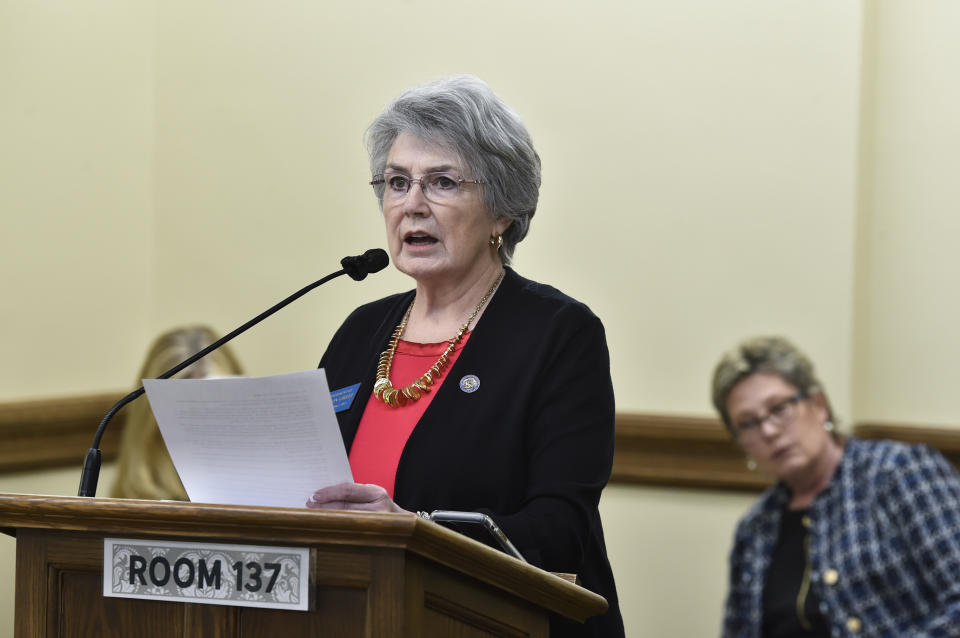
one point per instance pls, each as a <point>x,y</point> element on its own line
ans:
<point>294,526</point>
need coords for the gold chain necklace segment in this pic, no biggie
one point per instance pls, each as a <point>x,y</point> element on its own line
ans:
<point>397,397</point>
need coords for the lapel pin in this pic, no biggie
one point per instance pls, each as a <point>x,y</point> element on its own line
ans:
<point>470,383</point>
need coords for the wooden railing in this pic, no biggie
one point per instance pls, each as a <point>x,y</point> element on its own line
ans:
<point>698,452</point>
<point>651,449</point>
<point>56,432</point>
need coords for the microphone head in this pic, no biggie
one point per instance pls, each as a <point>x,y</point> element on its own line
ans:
<point>359,266</point>
<point>375,260</point>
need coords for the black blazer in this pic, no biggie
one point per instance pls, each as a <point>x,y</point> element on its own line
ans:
<point>532,446</point>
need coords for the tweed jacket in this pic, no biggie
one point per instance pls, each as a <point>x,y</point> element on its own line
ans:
<point>531,445</point>
<point>884,547</point>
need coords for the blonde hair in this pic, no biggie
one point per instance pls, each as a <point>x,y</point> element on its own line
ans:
<point>774,355</point>
<point>144,467</point>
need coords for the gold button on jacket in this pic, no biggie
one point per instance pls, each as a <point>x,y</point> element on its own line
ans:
<point>854,624</point>
<point>831,576</point>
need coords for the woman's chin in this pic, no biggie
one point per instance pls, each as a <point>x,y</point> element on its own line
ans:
<point>426,264</point>
<point>419,267</point>
<point>790,466</point>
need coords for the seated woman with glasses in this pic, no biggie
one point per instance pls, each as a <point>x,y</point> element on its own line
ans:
<point>479,390</point>
<point>857,537</point>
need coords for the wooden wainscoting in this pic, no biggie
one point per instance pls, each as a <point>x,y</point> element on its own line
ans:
<point>680,450</point>
<point>651,449</point>
<point>698,452</point>
<point>55,432</point>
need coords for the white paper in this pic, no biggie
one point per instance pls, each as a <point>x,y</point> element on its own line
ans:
<point>265,441</point>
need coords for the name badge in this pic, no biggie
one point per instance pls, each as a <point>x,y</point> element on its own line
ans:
<point>343,398</point>
<point>208,573</point>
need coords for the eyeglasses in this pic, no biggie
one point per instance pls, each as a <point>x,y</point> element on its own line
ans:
<point>439,188</point>
<point>780,414</point>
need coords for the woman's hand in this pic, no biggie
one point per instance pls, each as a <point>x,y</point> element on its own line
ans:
<point>353,496</point>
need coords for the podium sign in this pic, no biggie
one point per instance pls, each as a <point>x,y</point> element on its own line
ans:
<point>208,573</point>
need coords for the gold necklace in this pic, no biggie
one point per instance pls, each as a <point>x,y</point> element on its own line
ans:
<point>397,397</point>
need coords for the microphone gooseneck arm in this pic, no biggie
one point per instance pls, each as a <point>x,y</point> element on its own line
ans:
<point>357,267</point>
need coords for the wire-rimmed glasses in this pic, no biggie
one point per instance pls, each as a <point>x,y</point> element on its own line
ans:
<point>441,187</point>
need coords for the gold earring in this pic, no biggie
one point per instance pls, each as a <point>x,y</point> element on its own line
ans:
<point>496,240</point>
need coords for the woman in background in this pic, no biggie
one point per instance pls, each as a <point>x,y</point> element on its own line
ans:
<point>857,538</point>
<point>144,468</point>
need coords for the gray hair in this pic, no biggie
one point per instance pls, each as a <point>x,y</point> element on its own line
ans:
<point>462,114</point>
<point>774,355</point>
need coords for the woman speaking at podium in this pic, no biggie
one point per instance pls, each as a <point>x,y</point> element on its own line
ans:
<point>479,390</point>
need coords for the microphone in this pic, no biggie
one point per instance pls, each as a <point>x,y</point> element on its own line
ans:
<point>357,266</point>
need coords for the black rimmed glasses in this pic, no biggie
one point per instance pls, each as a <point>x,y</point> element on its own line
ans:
<point>440,188</point>
<point>781,414</point>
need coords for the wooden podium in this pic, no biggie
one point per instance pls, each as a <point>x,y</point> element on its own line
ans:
<point>374,575</point>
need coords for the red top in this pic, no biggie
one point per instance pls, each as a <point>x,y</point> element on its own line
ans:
<point>383,431</point>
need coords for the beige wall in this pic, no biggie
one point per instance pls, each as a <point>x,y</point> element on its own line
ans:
<point>711,170</point>
<point>668,548</point>
<point>908,309</point>
<point>686,146</point>
<point>76,194</point>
